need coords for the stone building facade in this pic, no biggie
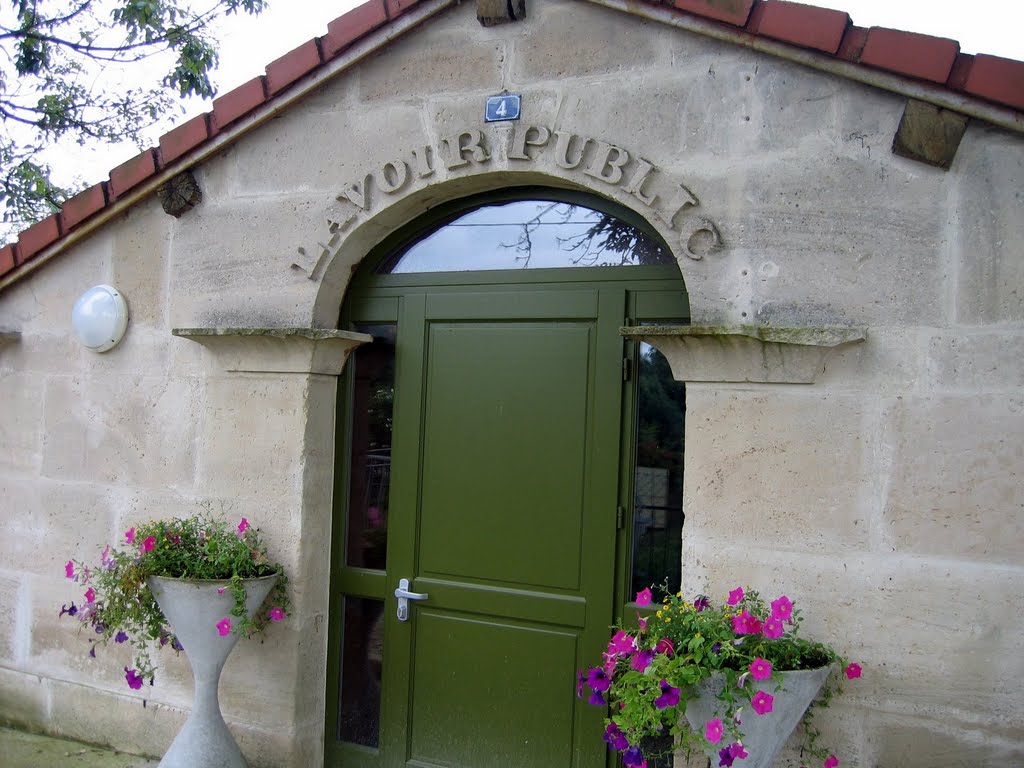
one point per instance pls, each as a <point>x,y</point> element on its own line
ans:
<point>853,356</point>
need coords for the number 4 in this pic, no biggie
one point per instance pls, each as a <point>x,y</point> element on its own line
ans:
<point>502,110</point>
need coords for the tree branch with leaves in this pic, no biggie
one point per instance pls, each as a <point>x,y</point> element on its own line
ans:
<point>65,69</point>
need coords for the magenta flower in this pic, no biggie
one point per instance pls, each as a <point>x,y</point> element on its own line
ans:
<point>129,536</point>
<point>665,646</point>
<point>598,680</point>
<point>762,702</point>
<point>701,603</point>
<point>761,669</point>
<point>713,730</point>
<point>134,679</point>
<point>224,626</point>
<point>149,544</point>
<point>735,596</point>
<point>669,695</point>
<point>616,738</point>
<point>744,623</point>
<point>641,660</point>
<point>221,590</point>
<point>643,597</point>
<point>641,622</point>
<point>90,595</point>
<point>725,758</point>
<point>276,614</point>
<point>69,569</point>
<point>737,751</point>
<point>831,762</point>
<point>633,757</point>
<point>853,671</point>
<point>106,560</point>
<point>782,608</point>
<point>243,526</point>
<point>772,628</point>
<point>622,643</point>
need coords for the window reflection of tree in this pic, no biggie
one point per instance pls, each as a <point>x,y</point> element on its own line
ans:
<point>607,234</point>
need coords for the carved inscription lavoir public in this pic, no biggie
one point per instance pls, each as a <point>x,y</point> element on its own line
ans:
<point>623,171</point>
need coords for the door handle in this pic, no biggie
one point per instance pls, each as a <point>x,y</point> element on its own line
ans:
<point>404,596</point>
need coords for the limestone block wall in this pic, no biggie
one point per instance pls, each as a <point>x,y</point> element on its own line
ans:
<point>884,498</point>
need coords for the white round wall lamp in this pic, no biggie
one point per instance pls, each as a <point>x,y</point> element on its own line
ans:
<point>100,318</point>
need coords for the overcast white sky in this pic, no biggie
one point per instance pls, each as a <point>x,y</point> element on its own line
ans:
<point>248,44</point>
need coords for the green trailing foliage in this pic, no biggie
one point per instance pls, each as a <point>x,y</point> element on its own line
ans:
<point>119,606</point>
<point>63,78</point>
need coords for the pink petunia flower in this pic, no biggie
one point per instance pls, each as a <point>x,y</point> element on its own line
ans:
<point>243,526</point>
<point>735,596</point>
<point>772,628</point>
<point>853,671</point>
<point>761,669</point>
<point>831,762</point>
<point>276,614</point>
<point>782,608</point>
<point>762,702</point>
<point>737,751</point>
<point>713,730</point>
<point>90,595</point>
<point>149,544</point>
<point>224,627</point>
<point>643,597</point>
<point>129,536</point>
<point>622,643</point>
<point>665,646</point>
<point>641,622</point>
<point>69,569</point>
<point>744,623</point>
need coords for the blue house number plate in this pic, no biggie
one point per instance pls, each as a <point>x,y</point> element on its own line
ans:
<point>502,108</point>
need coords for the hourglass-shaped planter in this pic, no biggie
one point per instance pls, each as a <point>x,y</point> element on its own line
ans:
<point>193,609</point>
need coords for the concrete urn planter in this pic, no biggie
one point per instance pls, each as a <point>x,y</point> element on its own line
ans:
<point>193,609</point>
<point>762,735</point>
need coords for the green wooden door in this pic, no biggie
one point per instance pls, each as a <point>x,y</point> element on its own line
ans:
<point>499,494</point>
<point>504,499</point>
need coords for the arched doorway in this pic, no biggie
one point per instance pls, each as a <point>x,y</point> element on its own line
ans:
<point>486,456</point>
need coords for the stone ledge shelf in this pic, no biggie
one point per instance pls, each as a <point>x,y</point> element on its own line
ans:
<point>748,353</point>
<point>277,350</point>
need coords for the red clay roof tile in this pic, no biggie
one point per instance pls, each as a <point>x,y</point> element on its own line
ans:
<point>908,53</point>
<point>804,25</point>
<point>286,70</point>
<point>83,205</point>
<point>233,104</point>
<point>37,237</point>
<point>997,79</point>
<point>132,172</point>
<point>345,30</point>
<point>8,259</point>
<point>177,141</point>
<point>730,11</point>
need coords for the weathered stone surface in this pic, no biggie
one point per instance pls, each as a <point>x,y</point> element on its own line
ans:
<point>139,263</point>
<point>26,697</point>
<point>21,420</point>
<point>976,362</point>
<point>251,436</point>
<point>13,621</point>
<point>431,61</point>
<point>137,430</point>
<point>987,211</point>
<point>957,481</point>
<point>907,740</point>
<point>785,468</point>
<point>277,350</point>
<point>889,361</point>
<point>585,43</point>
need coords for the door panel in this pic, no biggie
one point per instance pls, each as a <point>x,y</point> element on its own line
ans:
<point>503,461</point>
<point>479,706</point>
